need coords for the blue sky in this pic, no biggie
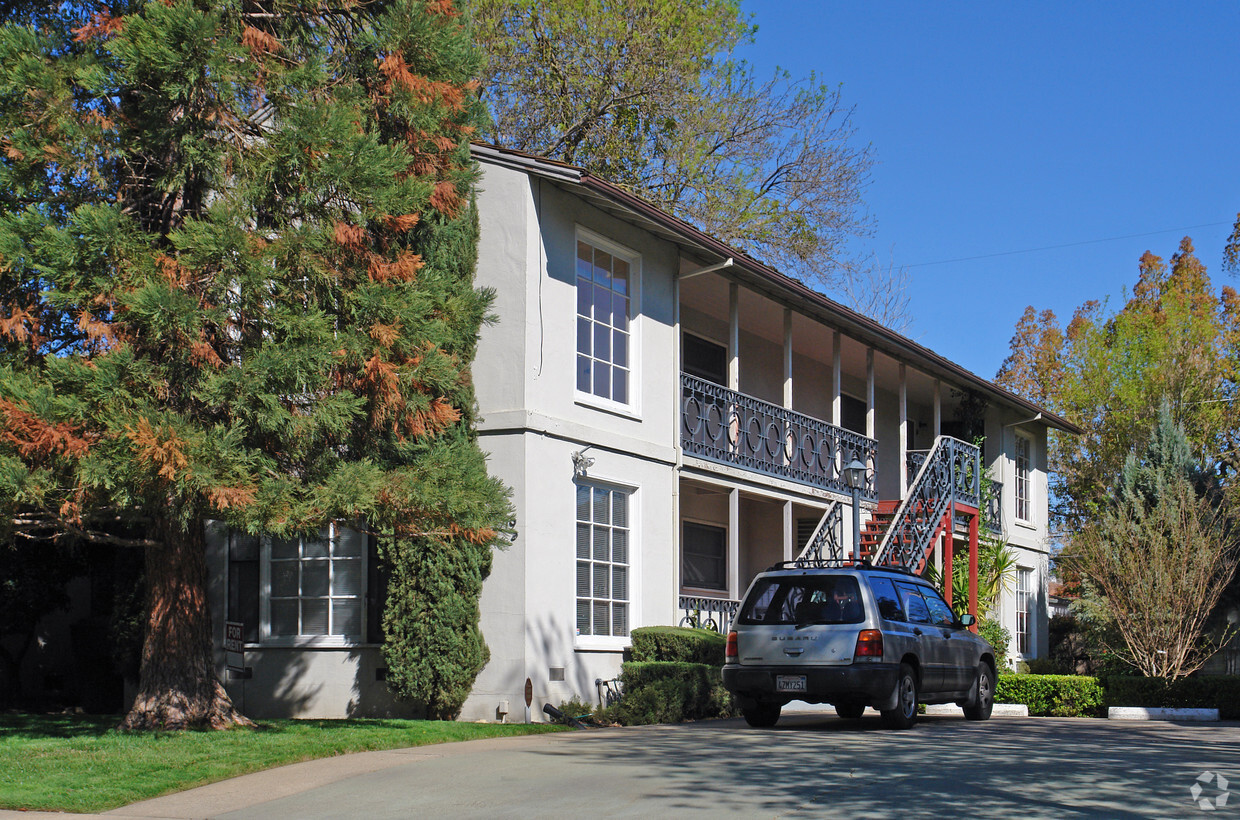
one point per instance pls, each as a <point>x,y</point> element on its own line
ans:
<point>1002,127</point>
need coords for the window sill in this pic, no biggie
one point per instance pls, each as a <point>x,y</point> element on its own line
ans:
<point>702,592</point>
<point>1028,525</point>
<point>592,643</point>
<point>309,643</point>
<point>594,403</point>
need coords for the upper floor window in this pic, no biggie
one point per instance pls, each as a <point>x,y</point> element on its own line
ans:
<point>704,359</point>
<point>606,280</point>
<point>852,414</point>
<point>1021,490</point>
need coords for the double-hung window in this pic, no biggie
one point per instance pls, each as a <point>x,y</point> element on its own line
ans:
<point>603,560</point>
<point>1024,596</point>
<point>1021,492</point>
<point>606,289</point>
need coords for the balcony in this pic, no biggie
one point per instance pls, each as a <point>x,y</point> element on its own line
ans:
<point>727,427</point>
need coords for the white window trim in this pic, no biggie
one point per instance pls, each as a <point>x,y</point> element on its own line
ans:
<point>1029,493</point>
<point>265,638</point>
<point>703,592</point>
<point>611,643</point>
<point>632,408</point>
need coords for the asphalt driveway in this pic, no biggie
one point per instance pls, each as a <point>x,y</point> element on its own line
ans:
<point>810,765</point>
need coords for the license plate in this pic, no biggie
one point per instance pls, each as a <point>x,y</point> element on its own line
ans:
<point>789,683</point>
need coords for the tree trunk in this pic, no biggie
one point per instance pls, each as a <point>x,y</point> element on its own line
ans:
<point>178,688</point>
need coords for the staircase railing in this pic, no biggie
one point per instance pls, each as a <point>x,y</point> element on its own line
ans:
<point>826,542</point>
<point>950,473</point>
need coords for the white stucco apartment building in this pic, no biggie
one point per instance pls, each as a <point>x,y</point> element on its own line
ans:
<point>672,417</point>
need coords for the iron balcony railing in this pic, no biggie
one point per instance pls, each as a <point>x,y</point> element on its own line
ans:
<point>728,427</point>
<point>993,500</point>
<point>950,472</point>
<point>704,612</point>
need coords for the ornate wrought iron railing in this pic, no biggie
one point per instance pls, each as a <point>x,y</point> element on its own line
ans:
<point>704,612</point>
<point>827,541</point>
<point>950,472</point>
<point>994,507</point>
<point>732,428</point>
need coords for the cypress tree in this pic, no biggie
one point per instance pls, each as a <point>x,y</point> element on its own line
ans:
<point>237,242</point>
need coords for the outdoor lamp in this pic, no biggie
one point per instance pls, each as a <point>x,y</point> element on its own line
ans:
<point>854,474</point>
<point>854,477</point>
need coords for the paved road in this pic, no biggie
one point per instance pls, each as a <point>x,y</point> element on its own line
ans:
<point>807,766</point>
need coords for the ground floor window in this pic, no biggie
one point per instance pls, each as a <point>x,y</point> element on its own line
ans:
<point>603,560</point>
<point>311,588</point>
<point>1024,595</point>
<point>704,557</point>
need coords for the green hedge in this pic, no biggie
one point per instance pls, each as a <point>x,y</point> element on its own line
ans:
<point>1053,695</point>
<point>1220,692</point>
<point>677,644</point>
<point>670,692</point>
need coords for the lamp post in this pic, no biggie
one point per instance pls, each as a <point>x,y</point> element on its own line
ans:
<point>854,477</point>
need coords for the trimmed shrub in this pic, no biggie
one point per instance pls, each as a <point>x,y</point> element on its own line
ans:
<point>1220,692</point>
<point>670,692</point>
<point>1053,695</point>
<point>678,645</point>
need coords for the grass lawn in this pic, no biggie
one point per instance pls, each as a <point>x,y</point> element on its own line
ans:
<point>81,764</point>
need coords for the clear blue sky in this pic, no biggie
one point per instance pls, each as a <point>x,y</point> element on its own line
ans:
<point>1002,127</point>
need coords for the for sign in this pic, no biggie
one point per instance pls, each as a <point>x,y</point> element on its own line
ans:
<point>234,645</point>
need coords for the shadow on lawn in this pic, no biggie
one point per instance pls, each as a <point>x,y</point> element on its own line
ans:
<point>28,725</point>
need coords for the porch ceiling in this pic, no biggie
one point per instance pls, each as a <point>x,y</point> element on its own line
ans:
<point>764,317</point>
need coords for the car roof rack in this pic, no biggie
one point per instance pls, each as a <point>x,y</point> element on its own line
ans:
<point>838,563</point>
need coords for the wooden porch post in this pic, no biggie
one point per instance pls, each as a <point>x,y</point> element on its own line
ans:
<point>945,551</point>
<point>973,569</point>
<point>734,544</point>
<point>836,402</point>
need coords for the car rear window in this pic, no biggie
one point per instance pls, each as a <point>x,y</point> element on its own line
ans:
<point>826,599</point>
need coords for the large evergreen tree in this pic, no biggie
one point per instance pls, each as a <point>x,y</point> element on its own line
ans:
<point>236,251</point>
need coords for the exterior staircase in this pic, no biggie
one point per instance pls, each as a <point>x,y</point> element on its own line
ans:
<point>948,481</point>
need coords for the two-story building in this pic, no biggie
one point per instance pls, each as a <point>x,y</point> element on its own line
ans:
<point>672,417</point>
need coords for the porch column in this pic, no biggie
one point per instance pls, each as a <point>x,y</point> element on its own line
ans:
<point>903,432</point>
<point>837,408</point>
<point>734,337</point>
<point>938,408</point>
<point>787,358</point>
<point>869,392</point>
<point>944,562</point>
<point>973,570</point>
<point>734,543</point>
<point>789,533</point>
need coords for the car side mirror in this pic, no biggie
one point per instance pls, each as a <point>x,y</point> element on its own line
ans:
<point>966,619</point>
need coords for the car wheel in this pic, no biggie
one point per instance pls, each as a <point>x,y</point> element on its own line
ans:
<point>984,701</point>
<point>905,713</point>
<point>849,711</point>
<point>762,716</point>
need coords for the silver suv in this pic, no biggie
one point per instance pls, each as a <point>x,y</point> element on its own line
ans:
<point>853,636</point>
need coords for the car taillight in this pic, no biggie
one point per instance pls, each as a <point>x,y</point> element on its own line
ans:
<point>869,644</point>
<point>730,653</point>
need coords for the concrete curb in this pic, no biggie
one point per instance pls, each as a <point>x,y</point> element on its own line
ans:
<point>999,709</point>
<point>1144,713</point>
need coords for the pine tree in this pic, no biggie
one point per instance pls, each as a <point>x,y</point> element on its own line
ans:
<point>236,252</point>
